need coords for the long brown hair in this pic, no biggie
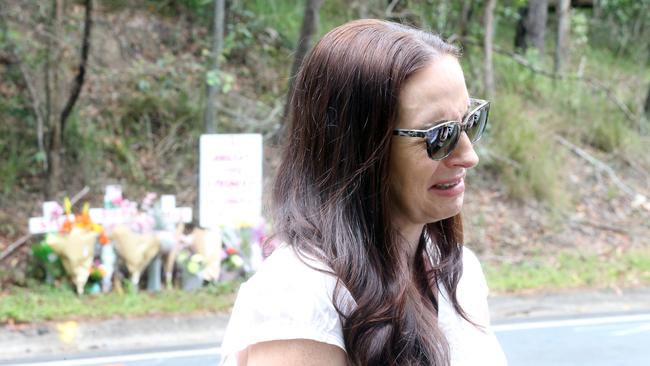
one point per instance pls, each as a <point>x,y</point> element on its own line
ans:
<point>331,195</point>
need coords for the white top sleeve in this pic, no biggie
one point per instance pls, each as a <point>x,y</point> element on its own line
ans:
<point>285,299</point>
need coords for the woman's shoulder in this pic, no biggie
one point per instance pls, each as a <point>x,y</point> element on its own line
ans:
<point>285,270</point>
<point>289,297</point>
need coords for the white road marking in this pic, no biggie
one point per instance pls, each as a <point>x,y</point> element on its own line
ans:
<point>571,322</point>
<point>128,358</point>
<point>636,330</point>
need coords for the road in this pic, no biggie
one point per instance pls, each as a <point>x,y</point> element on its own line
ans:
<point>611,340</point>
<point>614,340</point>
<point>195,356</point>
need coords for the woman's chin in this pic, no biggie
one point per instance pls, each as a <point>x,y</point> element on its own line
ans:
<point>448,209</point>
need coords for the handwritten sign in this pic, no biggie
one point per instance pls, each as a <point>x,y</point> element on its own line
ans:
<point>230,187</point>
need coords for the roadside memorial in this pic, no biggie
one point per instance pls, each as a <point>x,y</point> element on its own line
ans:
<point>144,232</point>
<point>80,243</point>
<point>152,238</point>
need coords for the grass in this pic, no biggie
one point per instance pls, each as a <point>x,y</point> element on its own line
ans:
<point>570,270</point>
<point>564,270</point>
<point>519,153</point>
<point>46,303</point>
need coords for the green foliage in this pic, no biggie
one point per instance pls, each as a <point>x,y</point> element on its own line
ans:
<point>46,265</point>
<point>531,108</point>
<point>220,79</point>
<point>283,16</point>
<point>202,9</point>
<point>527,166</point>
<point>621,27</point>
<point>84,146</point>
<point>579,30</point>
<point>15,161</point>
<point>156,120</point>
<point>570,270</point>
<point>147,134</point>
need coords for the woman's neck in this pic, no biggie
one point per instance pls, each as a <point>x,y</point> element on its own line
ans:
<point>411,234</point>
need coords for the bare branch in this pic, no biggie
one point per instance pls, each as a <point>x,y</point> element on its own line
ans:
<point>488,43</point>
<point>79,79</point>
<point>636,196</point>
<point>599,225</point>
<point>391,7</point>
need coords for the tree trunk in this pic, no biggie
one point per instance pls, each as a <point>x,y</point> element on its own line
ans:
<point>597,9</point>
<point>209,117</point>
<point>53,92</point>
<point>487,45</point>
<point>309,28</point>
<point>520,31</point>
<point>563,29</point>
<point>532,26</point>
<point>646,108</point>
<point>58,128</point>
<point>363,8</point>
<point>465,15</point>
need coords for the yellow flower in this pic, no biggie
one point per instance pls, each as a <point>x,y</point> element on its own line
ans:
<point>67,205</point>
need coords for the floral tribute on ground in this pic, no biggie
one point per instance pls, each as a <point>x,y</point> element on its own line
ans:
<point>99,247</point>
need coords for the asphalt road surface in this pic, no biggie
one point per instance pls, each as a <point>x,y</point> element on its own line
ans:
<point>611,340</point>
<point>202,356</point>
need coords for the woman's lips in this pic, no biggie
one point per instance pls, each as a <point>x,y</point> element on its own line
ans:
<point>449,188</point>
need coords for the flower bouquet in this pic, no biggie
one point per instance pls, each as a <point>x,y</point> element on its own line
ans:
<point>75,244</point>
<point>192,265</point>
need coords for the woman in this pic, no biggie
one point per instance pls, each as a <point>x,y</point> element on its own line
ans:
<point>367,200</point>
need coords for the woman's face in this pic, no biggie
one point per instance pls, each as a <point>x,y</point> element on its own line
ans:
<point>424,190</point>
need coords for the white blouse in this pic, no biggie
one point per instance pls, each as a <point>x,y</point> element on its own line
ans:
<point>286,299</point>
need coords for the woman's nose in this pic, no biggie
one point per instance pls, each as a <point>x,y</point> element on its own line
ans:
<point>463,155</point>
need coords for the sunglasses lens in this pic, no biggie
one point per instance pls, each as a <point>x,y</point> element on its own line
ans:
<point>442,140</point>
<point>476,123</point>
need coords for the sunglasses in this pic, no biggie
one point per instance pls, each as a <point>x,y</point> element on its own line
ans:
<point>442,138</point>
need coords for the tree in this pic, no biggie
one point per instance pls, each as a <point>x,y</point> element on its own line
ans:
<point>212,79</point>
<point>464,17</point>
<point>488,41</point>
<point>532,26</point>
<point>308,29</point>
<point>55,151</point>
<point>47,98</point>
<point>563,28</point>
<point>646,108</point>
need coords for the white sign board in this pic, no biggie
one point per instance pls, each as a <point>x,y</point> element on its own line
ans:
<point>230,186</point>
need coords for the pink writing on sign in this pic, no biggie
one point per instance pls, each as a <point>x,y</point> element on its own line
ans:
<point>232,183</point>
<point>232,157</point>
